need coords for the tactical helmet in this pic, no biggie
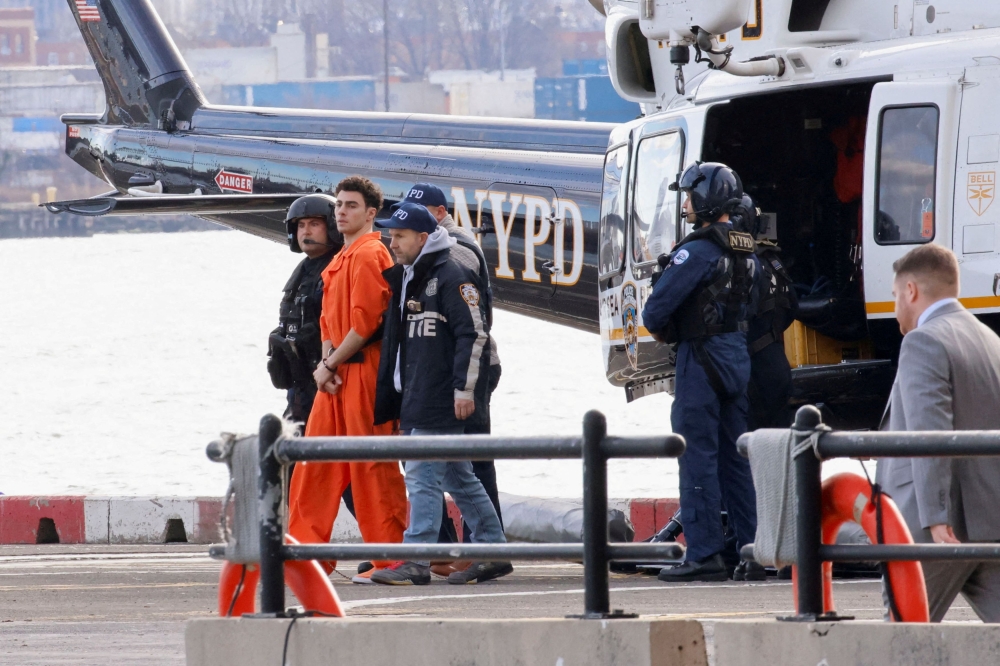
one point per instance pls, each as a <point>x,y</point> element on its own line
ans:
<point>746,217</point>
<point>313,205</point>
<point>714,188</point>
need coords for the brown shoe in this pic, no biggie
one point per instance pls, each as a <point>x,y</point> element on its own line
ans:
<point>441,565</point>
<point>445,570</point>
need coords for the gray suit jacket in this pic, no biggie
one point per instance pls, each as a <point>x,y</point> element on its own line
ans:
<point>948,379</point>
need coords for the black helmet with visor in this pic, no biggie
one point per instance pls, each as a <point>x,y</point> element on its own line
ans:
<point>714,188</point>
<point>746,217</point>
<point>313,205</point>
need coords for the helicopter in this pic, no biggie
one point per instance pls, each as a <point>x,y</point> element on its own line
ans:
<point>860,129</point>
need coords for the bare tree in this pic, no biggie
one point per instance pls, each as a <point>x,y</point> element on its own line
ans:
<point>418,29</point>
<point>504,34</point>
<point>424,34</point>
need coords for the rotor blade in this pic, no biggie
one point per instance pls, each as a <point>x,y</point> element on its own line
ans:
<point>174,204</point>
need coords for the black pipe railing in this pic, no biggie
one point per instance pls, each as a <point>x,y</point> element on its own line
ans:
<point>810,551</point>
<point>595,448</point>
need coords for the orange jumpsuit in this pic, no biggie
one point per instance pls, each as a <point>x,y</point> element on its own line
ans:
<point>355,295</point>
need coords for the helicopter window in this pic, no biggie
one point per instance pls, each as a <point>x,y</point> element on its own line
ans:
<point>907,160</point>
<point>613,212</point>
<point>654,213</point>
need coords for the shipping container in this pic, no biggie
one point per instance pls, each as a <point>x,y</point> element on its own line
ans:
<point>585,67</point>
<point>355,94</point>
<point>590,98</point>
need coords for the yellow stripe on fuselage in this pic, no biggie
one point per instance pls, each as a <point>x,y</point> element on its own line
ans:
<point>972,303</point>
<point>619,334</point>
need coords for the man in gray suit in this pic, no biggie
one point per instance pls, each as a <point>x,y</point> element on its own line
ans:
<point>948,379</point>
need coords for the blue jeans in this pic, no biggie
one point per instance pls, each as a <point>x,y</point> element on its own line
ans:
<point>426,481</point>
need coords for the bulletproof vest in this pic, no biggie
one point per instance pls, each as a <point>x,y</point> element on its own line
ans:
<point>298,316</point>
<point>776,302</point>
<point>719,305</point>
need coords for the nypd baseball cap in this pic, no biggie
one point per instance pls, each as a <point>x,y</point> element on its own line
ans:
<point>424,194</point>
<point>410,216</point>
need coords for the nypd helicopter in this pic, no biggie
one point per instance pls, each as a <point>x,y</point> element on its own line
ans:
<point>860,128</point>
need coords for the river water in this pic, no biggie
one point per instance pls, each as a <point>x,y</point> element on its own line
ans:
<point>122,356</point>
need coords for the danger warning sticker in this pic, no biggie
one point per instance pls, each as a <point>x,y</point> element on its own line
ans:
<point>235,182</point>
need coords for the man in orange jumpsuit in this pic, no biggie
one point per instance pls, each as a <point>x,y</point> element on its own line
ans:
<point>354,297</point>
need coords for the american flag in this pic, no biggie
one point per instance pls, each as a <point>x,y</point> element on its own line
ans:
<point>87,9</point>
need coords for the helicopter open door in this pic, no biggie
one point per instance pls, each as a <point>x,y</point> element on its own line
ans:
<point>909,190</point>
<point>639,222</point>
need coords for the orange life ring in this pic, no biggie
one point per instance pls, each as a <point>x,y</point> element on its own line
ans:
<point>307,579</point>
<point>236,600</point>
<point>847,497</point>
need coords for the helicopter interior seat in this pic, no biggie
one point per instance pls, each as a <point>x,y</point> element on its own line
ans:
<point>839,317</point>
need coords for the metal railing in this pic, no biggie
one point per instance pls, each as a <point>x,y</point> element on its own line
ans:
<point>595,447</point>
<point>811,552</point>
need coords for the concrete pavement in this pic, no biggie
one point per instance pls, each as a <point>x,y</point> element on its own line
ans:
<point>62,604</point>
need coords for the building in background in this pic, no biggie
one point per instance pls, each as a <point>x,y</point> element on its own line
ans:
<point>289,43</point>
<point>508,94</point>
<point>32,139</point>
<point>57,54</point>
<point>229,66</point>
<point>445,58</point>
<point>17,37</point>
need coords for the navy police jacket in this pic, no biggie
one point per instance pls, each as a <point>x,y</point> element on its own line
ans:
<point>692,267</point>
<point>442,342</point>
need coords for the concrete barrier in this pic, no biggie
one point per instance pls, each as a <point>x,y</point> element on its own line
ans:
<point>770,643</point>
<point>137,520</point>
<point>417,642</point>
<point>566,642</point>
<point>112,520</point>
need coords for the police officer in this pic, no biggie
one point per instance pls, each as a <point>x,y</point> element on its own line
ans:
<point>295,347</point>
<point>702,301</point>
<point>770,374</point>
<point>770,384</point>
<point>467,253</point>
<point>433,377</point>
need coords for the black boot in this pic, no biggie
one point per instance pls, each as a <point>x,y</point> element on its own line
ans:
<point>710,569</point>
<point>749,571</point>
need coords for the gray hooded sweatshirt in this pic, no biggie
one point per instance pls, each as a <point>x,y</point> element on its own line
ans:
<point>436,241</point>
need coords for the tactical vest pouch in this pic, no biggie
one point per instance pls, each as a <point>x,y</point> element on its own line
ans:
<point>278,366</point>
<point>776,303</point>
<point>670,335</point>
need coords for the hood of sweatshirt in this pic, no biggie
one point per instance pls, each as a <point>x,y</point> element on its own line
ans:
<point>438,240</point>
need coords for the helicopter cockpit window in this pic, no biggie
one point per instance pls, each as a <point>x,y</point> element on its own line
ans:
<point>613,212</point>
<point>905,204</point>
<point>654,212</point>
